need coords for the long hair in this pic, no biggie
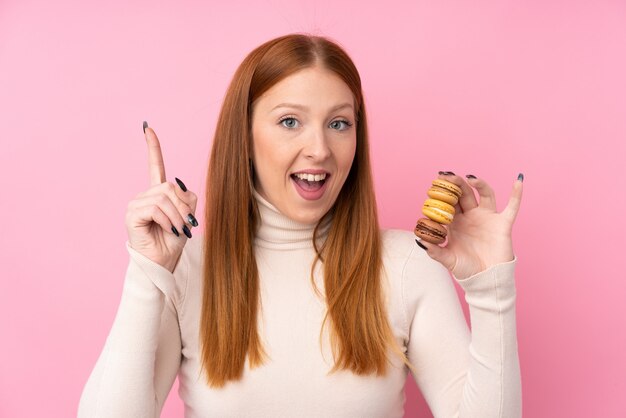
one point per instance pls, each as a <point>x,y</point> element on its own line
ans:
<point>351,254</point>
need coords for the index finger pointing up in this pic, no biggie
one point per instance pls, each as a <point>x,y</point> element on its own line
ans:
<point>155,158</point>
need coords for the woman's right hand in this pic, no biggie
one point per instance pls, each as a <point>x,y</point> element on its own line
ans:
<point>151,215</point>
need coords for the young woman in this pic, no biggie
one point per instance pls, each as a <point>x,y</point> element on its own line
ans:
<point>293,303</point>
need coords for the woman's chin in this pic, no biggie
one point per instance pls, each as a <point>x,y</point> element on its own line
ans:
<point>306,218</point>
<point>307,215</point>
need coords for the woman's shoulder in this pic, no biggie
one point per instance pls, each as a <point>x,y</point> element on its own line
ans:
<point>402,254</point>
<point>410,274</point>
<point>398,242</point>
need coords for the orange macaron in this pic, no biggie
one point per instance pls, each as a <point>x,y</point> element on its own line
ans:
<point>445,191</point>
<point>438,211</point>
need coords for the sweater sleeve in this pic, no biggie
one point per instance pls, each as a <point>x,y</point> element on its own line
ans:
<point>463,374</point>
<point>142,353</point>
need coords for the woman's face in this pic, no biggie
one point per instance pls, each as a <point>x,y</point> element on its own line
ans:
<point>303,142</point>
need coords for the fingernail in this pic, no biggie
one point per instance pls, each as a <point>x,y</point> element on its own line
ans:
<point>442,172</point>
<point>448,173</point>
<point>181,184</point>
<point>521,177</point>
<point>145,125</point>
<point>192,220</point>
<point>421,245</point>
<point>186,231</point>
<point>175,231</point>
<point>470,176</point>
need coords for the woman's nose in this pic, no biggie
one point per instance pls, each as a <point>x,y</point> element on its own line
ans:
<point>317,147</point>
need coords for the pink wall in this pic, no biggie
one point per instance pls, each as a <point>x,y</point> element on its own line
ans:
<point>491,88</point>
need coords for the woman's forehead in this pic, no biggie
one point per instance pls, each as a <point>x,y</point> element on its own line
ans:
<point>306,90</point>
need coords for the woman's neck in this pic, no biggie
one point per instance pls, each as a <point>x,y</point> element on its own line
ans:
<point>277,231</point>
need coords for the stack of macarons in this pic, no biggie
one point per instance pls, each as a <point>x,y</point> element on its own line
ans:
<point>439,209</point>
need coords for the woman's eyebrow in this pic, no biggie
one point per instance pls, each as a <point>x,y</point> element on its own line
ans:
<point>302,107</point>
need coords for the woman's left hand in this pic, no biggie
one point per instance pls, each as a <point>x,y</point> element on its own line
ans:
<point>478,237</point>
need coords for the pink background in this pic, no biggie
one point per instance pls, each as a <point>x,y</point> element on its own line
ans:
<point>488,88</point>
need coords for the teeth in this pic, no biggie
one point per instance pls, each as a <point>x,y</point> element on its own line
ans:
<point>311,177</point>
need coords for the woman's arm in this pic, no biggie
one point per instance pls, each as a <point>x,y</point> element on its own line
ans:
<point>142,353</point>
<point>462,374</point>
<point>477,375</point>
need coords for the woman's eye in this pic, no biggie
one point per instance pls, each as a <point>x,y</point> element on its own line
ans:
<point>289,122</point>
<point>337,124</point>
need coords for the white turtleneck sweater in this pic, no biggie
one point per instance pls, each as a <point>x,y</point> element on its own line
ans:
<point>154,338</point>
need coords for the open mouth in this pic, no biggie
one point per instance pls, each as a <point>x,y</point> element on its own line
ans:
<point>310,182</point>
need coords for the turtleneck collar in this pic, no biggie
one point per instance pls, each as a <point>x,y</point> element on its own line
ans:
<point>278,231</point>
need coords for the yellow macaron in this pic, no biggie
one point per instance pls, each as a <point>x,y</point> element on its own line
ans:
<point>445,191</point>
<point>438,211</point>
